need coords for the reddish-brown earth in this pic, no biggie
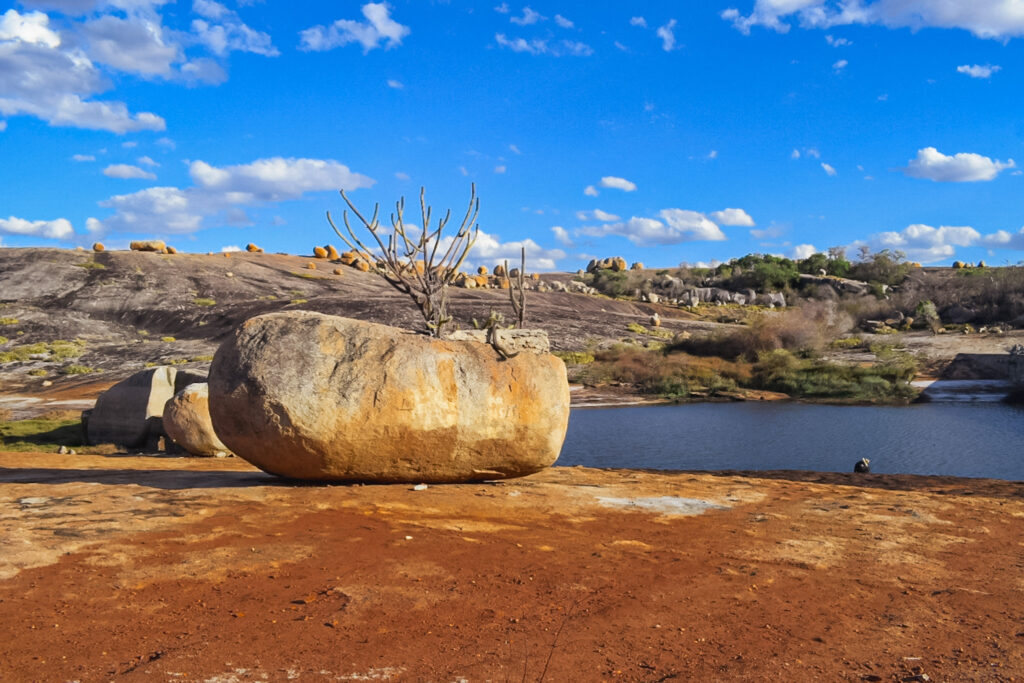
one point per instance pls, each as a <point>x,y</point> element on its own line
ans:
<point>155,568</point>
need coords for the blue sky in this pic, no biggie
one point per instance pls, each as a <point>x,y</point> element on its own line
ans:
<point>662,132</point>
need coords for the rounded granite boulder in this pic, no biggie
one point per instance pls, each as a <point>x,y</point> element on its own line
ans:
<point>312,396</point>
<point>187,422</point>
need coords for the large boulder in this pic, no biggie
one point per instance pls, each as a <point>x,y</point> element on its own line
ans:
<point>130,413</point>
<point>312,396</point>
<point>186,420</point>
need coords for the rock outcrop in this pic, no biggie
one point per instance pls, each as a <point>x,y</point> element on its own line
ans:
<point>149,245</point>
<point>186,420</point>
<point>312,396</point>
<point>130,413</point>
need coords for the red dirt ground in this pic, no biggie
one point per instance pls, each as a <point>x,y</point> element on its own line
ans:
<point>156,568</point>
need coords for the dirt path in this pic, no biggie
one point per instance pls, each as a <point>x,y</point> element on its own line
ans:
<point>136,568</point>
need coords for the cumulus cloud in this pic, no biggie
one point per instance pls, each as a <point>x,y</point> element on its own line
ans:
<point>42,77</point>
<point>233,36</point>
<point>964,167</point>
<point>56,229</point>
<point>563,22</point>
<point>396,85</point>
<point>230,249</point>
<point>837,42</point>
<point>561,235</point>
<point>638,21</point>
<point>829,170</point>
<point>539,46</point>
<point>590,191</point>
<point>926,243</point>
<point>83,157</point>
<point>618,183</point>
<point>127,171</point>
<point>490,249</point>
<point>378,28</point>
<point>529,17</point>
<point>802,251</point>
<point>667,35</point>
<point>840,65</point>
<point>147,161</point>
<point>500,169</point>
<point>978,71</point>
<point>597,215</point>
<point>133,45</point>
<point>1003,239</point>
<point>674,227</point>
<point>219,190</point>
<point>737,217</point>
<point>998,19</point>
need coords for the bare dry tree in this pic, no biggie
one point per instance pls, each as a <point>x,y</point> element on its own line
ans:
<point>517,289</point>
<point>423,266</point>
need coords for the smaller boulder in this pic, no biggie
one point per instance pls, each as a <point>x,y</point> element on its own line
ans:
<point>98,246</point>
<point>319,252</point>
<point>149,245</point>
<point>186,420</point>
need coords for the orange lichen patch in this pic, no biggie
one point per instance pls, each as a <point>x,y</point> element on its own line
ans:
<point>534,276</point>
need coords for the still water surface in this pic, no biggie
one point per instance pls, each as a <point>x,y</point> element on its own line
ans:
<point>961,439</point>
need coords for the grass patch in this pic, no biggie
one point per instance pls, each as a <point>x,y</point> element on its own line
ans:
<point>847,343</point>
<point>38,372</point>
<point>310,276</point>
<point>168,339</point>
<point>9,321</point>
<point>200,359</point>
<point>636,328</point>
<point>41,434</point>
<point>297,301</point>
<point>4,340</point>
<point>77,370</point>
<point>91,265</point>
<point>204,302</point>
<point>575,357</point>
<point>886,381</point>
<point>46,351</point>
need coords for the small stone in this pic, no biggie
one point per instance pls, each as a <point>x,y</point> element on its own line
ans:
<point>420,487</point>
<point>47,382</point>
<point>63,450</point>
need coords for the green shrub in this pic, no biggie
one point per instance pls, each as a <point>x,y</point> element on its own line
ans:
<point>204,302</point>
<point>847,343</point>
<point>575,357</point>
<point>55,350</point>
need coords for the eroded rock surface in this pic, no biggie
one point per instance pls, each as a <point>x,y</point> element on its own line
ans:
<point>312,396</point>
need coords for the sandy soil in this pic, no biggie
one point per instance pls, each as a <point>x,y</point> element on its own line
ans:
<point>157,568</point>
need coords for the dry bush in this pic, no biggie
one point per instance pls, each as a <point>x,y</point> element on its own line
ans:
<point>805,329</point>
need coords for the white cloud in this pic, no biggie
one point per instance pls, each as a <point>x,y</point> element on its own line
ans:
<point>667,35</point>
<point>490,249</point>
<point>31,27</point>
<point>210,9</point>
<point>1002,239</point>
<point>999,19</point>
<point>502,8</point>
<point>964,167</point>
<point>638,21</point>
<point>676,226</point>
<point>129,144</point>
<point>590,191</point>
<point>500,169</point>
<point>378,27</point>
<point>277,179</point>
<point>737,217</point>
<point>563,22</point>
<point>56,229</point>
<point>166,143</point>
<point>926,243</point>
<point>539,46</point>
<point>233,36</point>
<point>812,152</point>
<point>802,251</point>
<point>828,169</point>
<point>514,149</point>
<point>529,17</point>
<point>795,154</point>
<point>41,77</point>
<point>83,157</point>
<point>837,42</point>
<point>3,126</point>
<point>127,171</point>
<point>402,176</point>
<point>618,183</point>
<point>562,236</point>
<point>134,45</point>
<point>596,214</point>
<point>230,249</point>
<point>713,154</point>
<point>219,190</point>
<point>840,65</point>
<point>147,161</point>
<point>978,71</point>
<point>397,85</point>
